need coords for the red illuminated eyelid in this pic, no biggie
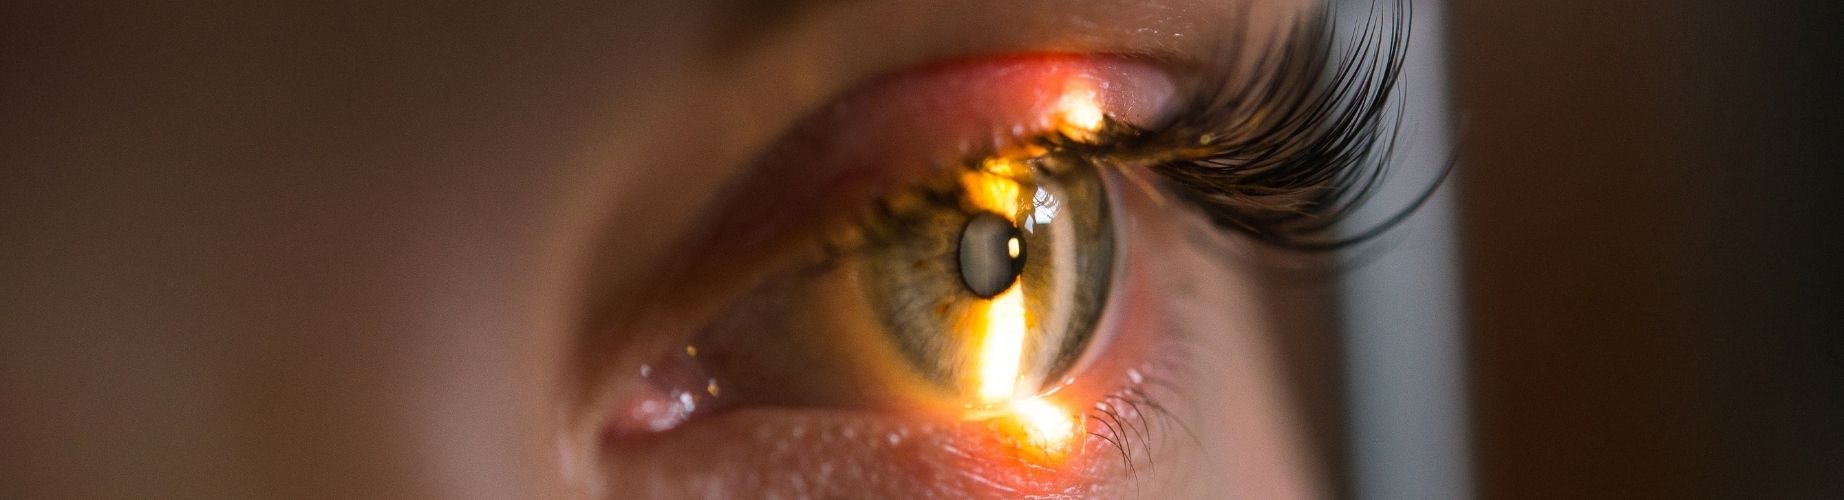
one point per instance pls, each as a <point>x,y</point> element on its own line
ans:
<point>882,136</point>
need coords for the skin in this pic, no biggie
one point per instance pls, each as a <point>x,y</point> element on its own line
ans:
<point>344,250</point>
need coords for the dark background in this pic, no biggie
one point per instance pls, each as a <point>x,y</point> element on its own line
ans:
<point>1650,205</point>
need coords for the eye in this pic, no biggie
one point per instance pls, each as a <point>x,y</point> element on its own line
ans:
<point>963,282</point>
<point>971,289</point>
<point>938,285</point>
<point>990,285</point>
<point>951,267</point>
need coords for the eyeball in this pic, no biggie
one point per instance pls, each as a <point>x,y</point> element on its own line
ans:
<point>991,285</point>
<point>991,254</point>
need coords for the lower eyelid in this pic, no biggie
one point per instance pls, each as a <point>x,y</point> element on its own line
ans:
<point>826,454</point>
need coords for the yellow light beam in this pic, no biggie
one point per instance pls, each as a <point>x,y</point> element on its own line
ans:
<point>996,187</point>
<point>995,192</point>
<point>1002,345</point>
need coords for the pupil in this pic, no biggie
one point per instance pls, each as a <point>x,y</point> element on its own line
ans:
<point>991,255</point>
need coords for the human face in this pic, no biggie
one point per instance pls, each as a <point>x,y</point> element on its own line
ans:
<point>364,250</point>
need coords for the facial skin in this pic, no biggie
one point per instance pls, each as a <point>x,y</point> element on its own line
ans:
<point>347,250</point>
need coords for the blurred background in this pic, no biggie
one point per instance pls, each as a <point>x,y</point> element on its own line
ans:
<point>1650,210</point>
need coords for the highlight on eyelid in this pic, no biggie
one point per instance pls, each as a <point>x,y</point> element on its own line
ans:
<point>1046,427</point>
<point>1038,429</point>
<point>1078,111</point>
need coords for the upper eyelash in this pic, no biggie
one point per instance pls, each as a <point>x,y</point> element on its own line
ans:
<point>1296,144</point>
<point>1287,145</point>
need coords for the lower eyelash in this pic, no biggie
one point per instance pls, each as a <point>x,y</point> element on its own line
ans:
<point>1134,421</point>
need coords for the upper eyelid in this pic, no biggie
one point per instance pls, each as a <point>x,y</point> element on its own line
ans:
<point>945,27</point>
<point>748,98</point>
<point>840,156</point>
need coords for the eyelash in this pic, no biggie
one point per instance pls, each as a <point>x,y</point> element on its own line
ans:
<point>1128,424</point>
<point>1280,156</point>
<point>1292,145</point>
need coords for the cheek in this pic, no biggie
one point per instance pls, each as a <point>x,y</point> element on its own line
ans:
<point>1247,418</point>
<point>1205,317</point>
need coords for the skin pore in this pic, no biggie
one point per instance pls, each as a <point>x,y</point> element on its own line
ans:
<point>345,250</point>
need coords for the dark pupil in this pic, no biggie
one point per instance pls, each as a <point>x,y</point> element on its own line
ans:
<point>986,262</point>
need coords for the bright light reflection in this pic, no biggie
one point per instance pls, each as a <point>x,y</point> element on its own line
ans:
<point>1045,425</point>
<point>1002,345</point>
<point>1079,112</point>
<point>1001,325</point>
